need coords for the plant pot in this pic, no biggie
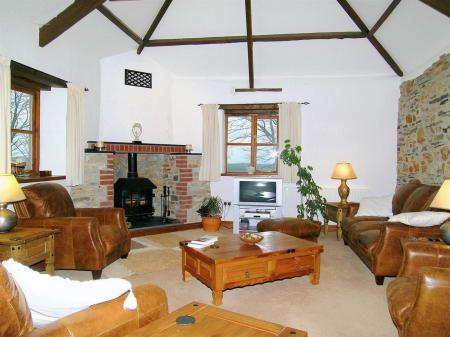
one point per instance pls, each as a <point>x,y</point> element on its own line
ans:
<point>211,224</point>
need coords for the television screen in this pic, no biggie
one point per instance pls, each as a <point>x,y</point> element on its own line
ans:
<point>258,191</point>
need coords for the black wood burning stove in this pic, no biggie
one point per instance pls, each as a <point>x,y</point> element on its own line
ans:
<point>134,194</point>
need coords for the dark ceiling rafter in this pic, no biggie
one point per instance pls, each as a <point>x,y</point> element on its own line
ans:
<point>442,6</point>
<point>357,20</point>
<point>383,17</point>
<point>255,38</point>
<point>28,77</point>
<point>154,24</point>
<point>66,19</point>
<point>248,22</point>
<point>119,23</point>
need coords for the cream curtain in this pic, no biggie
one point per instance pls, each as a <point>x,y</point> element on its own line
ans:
<point>210,164</point>
<point>290,128</point>
<point>75,135</point>
<point>5,115</point>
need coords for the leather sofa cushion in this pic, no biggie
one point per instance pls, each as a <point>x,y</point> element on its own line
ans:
<point>15,315</point>
<point>402,194</point>
<point>418,199</point>
<point>48,200</point>
<point>401,294</point>
<point>369,238</point>
<point>301,228</point>
<point>357,228</point>
<point>111,237</point>
<point>348,222</point>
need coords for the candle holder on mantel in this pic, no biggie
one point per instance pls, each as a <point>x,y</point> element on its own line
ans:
<point>188,148</point>
<point>99,145</point>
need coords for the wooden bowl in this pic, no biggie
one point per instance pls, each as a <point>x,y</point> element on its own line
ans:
<point>251,240</point>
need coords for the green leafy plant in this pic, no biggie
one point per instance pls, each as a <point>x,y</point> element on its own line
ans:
<point>211,207</point>
<point>311,202</point>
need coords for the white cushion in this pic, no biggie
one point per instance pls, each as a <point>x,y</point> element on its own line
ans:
<point>421,219</point>
<point>52,297</point>
<point>376,206</point>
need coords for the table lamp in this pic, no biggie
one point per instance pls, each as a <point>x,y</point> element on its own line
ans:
<point>442,201</point>
<point>10,191</point>
<point>343,171</point>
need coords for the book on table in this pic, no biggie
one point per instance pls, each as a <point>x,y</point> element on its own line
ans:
<point>203,241</point>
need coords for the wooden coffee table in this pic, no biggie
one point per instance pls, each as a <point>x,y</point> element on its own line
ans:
<point>212,321</point>
<point>231,263</point>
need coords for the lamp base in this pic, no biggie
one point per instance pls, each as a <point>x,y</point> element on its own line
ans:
<point>8,218</point>
<point>445,232</point>
<point>343,191</point>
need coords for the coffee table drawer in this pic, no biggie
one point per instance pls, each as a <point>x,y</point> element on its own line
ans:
<point>294,264</point>
<point>244,272</point>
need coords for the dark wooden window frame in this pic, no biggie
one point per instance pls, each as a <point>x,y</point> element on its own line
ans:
<point>255,112</point>
<point>35,130</point>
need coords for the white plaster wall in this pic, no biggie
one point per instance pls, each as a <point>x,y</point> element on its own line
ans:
<point>123,105</point>
<point>349,120</point>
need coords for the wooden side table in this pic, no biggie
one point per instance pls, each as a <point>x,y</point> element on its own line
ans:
<point>29,246</point>
<point>336,212</point>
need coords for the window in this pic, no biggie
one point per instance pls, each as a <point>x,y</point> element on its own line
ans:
<point>251,141</point>
<point>25,127</point>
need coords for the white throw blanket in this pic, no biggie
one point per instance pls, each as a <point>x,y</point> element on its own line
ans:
<point>53,297</point>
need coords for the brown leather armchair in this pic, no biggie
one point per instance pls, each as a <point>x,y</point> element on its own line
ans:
<point>104,319</point>
<point>419,298</point>
<point>89,238</point>
<point>377,241</point>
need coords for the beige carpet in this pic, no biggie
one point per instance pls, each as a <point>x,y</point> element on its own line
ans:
<point>346,303</point>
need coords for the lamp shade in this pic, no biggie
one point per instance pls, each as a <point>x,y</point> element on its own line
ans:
<point>10,190</point>
<point>343,171</point>
<point>442,198</point>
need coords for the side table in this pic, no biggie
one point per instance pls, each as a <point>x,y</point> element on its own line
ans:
<point>29,246</point>
<point>336,212</point>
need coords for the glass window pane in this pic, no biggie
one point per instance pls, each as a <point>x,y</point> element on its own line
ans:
<point>266,158</point>
<point>238,158</point>
<point>239,129</point>
<point>267,131</point>
<point>21,109</point>
<point>21,149</point>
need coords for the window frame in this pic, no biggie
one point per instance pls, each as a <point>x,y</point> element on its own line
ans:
<point>35,127</point>
<point>254,115</point>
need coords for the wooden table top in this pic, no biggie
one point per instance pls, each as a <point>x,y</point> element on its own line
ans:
<point>232,247</point>
<point>21,235</point>
<point>212,321</point>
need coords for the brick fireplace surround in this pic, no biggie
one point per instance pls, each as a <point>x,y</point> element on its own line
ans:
<point>164,164</point>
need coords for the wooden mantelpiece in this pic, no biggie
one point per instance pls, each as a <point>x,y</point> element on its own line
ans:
<point>142,147</point>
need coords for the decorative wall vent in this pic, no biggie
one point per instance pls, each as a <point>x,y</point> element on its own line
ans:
<point>138,78</point>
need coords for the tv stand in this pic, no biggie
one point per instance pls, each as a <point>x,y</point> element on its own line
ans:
<point>251,215</point>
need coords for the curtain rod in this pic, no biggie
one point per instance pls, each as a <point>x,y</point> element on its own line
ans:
<point>302,103</point>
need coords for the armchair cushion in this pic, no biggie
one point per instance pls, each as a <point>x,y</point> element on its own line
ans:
<point>52,297</point>
<point>48,200</point>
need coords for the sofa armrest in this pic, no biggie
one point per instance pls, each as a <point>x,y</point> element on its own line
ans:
<point>106,216</point>
<point>109,318</point>
<point>352,209</point>
<point>418,254</point>
<point>78,238</point>
<point>388,254</point>
<point>428,316</point>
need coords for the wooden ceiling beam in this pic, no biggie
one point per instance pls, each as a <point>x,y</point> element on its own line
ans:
<point>154,24</point>
<point>256,38</point>
<point>119,23</point>
<point>357,20</point>
<point>248,21</point>
<point>384,16</point>
<point>25,83</point>
<point>66,19</point>
<point>442,6</point>
<point>20,70</point>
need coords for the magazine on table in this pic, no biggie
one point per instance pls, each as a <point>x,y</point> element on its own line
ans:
<point>203,241</point>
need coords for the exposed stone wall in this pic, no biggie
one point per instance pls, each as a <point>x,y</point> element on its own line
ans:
<point>178,172</point>
<point>97,190</point>
<point>423,138</point>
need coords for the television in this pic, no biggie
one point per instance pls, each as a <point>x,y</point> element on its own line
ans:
<point>258,191</point>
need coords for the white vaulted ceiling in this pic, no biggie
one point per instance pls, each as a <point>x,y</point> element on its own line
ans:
<point>414,35</point>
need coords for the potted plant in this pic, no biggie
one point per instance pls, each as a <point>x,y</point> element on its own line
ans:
<point>211,212</point>
<point>311,202</point>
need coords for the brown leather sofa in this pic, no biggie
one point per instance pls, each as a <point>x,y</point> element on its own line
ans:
<point>419,298</point>
<point>89,238</point>
<point>300,228</point>
<point>377,241</point>
<point>104,319</point>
